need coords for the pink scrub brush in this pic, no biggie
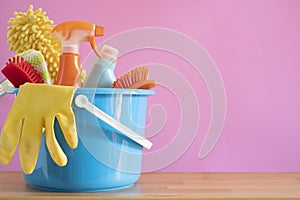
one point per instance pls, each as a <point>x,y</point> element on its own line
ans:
<point>18,71</point>
<point>137,78</point>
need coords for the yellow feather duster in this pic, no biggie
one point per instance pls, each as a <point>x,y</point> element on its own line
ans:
<point>32,30</point>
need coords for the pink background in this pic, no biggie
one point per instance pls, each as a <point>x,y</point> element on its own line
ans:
<point>256,46</point>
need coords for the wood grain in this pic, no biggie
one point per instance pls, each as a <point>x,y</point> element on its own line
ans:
<point>211,186</point>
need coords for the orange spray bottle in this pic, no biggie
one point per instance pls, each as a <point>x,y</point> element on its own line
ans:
<point>71,34</point>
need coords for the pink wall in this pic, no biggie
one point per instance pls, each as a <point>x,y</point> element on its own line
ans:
<point>256,47</point>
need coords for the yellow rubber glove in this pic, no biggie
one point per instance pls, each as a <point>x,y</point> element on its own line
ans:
<point>34,110</point>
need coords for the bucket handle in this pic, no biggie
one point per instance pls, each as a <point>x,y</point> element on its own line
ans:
<point>82,101</point>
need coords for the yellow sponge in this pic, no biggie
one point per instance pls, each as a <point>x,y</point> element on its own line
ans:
<point>32,30</point>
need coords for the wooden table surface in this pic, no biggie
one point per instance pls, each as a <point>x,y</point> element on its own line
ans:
<point>210,186</point>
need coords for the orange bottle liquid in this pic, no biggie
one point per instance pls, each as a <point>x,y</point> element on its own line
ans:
<point>69,70</point>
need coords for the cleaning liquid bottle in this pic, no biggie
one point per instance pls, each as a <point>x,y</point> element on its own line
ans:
<point>71,34</point>
<point>102,74</point>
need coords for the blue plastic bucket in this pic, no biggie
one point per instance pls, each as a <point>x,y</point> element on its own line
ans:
<point>104,159</point>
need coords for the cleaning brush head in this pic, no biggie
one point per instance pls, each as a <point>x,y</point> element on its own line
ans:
<point>18,71</point>
<point>137,78</point>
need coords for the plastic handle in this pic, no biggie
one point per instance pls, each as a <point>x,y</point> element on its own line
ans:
<point>92,41</point>
<point>82,101</point>
<point>5,86</point>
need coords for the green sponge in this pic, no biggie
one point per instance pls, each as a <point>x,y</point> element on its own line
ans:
<point>36,59</point>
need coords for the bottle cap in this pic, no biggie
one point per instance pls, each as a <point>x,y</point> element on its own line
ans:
<point>110,53</point>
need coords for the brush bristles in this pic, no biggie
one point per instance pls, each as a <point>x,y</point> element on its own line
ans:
<point>26,67</point>
<point>31,72</point>
<point>18,60</point>
<point>132,77</point>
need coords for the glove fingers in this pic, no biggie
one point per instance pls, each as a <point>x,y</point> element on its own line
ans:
<point>30,145</point>
<point>55,150</point>
<point>9,139</point>
<point>68,126</point>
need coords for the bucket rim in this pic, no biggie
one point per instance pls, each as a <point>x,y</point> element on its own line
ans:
<point>103,91</point>
<point>114,91</point>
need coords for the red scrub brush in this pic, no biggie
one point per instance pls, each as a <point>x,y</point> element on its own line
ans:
<point>137,78</point>
<point>18,71</point>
